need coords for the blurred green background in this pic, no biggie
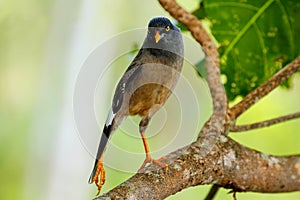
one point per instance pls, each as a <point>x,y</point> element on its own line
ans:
<point>43,45</point>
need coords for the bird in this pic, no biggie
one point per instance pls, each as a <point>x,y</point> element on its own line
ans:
<point>144,88</point>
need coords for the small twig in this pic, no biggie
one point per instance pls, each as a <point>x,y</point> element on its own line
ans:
<point>212,192</point>
<point>264,89</point>
<point>266,123</point>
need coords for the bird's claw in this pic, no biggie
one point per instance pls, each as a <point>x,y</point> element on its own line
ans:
<point>99,182</point>
<point>150,160</point>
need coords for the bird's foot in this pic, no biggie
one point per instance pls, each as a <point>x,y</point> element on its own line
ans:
<point>99,182</point>
<point>150,160</point>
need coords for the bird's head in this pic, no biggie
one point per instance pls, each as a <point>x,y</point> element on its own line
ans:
<point>163,34</point>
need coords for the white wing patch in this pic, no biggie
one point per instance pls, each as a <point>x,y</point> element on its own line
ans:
<point>110,118</point>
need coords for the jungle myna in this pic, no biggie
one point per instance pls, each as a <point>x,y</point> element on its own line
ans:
<point>144,87</point>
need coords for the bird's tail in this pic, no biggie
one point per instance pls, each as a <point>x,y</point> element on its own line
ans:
<point>106,133</point>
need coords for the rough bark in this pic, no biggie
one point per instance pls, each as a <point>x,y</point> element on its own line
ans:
<point>228,164</point>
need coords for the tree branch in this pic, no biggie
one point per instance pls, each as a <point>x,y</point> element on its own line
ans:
<point>254,96</point>
<point>229,165</point>
<point>266,123</point>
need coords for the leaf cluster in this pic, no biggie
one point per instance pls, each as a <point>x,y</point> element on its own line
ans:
<point>255,39</point>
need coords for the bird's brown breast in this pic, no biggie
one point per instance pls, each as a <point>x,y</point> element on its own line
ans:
<point>152,85</point>
<point>148,99</point>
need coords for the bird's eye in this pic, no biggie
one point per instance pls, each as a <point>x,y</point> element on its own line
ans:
<point>168,28</point>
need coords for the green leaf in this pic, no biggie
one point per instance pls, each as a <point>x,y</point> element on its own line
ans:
<point>257,38</point>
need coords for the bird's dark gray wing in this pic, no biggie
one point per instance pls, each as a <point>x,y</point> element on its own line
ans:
<point>130,73</point>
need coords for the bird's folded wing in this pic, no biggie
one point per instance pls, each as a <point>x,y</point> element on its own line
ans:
<point>129,75</point>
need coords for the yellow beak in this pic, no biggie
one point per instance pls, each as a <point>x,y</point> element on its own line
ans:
<point>157,36</point>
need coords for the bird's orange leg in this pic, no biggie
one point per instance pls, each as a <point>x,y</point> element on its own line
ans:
<point>148,158</point>
<point>100,171</point>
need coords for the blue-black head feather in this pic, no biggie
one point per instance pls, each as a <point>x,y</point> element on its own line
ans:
<point>162,22</point>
